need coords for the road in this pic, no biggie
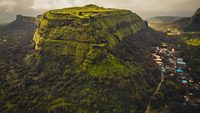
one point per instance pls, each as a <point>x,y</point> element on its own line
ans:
<point>155,92</point>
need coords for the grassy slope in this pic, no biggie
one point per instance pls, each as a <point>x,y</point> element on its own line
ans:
<point>103,73</point>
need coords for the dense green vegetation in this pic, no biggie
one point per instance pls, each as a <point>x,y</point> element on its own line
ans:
<point>86,60</point>
<point>193,42</point>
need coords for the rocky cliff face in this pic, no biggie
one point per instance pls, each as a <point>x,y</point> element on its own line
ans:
<point>85,33</point>
<point>87,59</point>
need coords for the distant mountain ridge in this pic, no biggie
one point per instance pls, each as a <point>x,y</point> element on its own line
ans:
<point>161,19</point>
<point>20,23</point>
<point>183,24</point>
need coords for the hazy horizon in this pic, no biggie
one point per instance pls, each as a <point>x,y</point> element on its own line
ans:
<point>144,8</point>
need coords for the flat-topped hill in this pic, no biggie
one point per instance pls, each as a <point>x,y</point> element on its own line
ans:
<point>82,31</point>
<point>86,60</point>
<point>87,11</point>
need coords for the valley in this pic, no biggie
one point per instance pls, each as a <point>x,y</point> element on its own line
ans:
<point>92,59</point>
<point>181,79</point>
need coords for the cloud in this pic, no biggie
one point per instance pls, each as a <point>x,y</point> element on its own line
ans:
<point>135,5</point>
<point>8,5</point>
<point>50,4</point>
<point>145,8</point>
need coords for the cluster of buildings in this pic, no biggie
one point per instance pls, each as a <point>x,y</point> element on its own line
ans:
<point>176,69</point>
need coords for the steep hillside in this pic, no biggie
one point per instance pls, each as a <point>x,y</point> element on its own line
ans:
<point>194,25</point>
<point>87,59</point>
<point>190,24</point>
<point>181,24</point>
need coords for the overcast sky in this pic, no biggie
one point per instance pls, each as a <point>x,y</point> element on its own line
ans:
<point>144,8</point>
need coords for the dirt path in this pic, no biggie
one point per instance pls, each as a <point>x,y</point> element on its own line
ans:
<point>156,91</point>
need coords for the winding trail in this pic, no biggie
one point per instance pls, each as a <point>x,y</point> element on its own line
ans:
<point>155,92</point>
